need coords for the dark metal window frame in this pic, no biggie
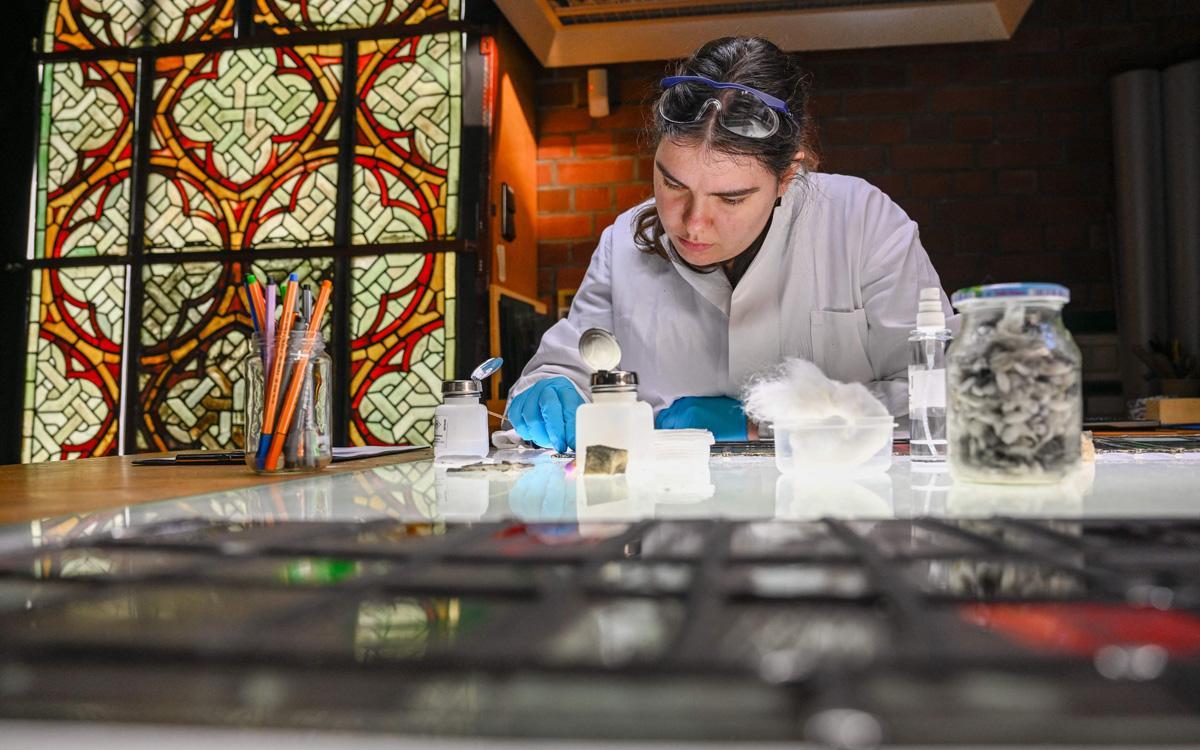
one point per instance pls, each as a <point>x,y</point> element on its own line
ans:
<point>471,268</point>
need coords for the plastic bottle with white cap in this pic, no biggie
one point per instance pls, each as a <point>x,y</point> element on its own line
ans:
<point>927,379</point>
<point>460,424</point>
<point>615,418</point>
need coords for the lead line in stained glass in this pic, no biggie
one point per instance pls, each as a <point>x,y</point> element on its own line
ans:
<point>289,16</point>
<point>244,150</point>
<point>73,362</point>
<point>84,159</point>
<point>401,348</point>
<point>101,24</point>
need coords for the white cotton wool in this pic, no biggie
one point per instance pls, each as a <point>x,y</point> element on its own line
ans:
<point>797,390</point>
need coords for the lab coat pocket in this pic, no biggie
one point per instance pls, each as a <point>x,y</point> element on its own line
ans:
<point>839,341</point>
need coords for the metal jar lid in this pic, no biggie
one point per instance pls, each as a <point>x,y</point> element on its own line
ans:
<point>462,388</point>
<point>613,381</point>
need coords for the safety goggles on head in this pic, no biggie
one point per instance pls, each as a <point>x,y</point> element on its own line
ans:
<point>746,112</point>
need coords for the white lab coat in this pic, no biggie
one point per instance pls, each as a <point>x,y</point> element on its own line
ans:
<point>836,282</point>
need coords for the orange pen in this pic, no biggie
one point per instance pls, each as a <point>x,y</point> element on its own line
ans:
<point>277,368</point>
<point>293,394</point>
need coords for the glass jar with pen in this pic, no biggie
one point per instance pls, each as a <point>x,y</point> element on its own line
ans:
<point>288,376</point>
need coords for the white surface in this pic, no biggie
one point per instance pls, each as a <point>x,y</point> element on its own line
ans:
<point>743,487</point>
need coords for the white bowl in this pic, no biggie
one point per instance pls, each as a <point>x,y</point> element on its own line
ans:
<point>834,444</point>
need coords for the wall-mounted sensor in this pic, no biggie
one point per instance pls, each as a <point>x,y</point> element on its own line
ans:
<point>597,92</point>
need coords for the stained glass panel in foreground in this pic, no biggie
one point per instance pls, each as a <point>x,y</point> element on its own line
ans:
<point>244,150</point>
<point>402,345</point>
<point>408,138</point>
<point>73,363</point>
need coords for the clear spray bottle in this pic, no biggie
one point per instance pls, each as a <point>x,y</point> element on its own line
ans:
<point>927,379</point>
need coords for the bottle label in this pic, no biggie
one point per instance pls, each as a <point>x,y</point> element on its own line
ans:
<point>439,432</point>
<point>926,389</point>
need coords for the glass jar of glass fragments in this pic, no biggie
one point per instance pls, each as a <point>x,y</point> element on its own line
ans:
<point>1013,377</point>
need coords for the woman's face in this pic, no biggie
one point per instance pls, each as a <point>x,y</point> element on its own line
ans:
<point>712,205</point>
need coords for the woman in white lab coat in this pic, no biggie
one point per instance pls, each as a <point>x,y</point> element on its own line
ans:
<point>743,258</point>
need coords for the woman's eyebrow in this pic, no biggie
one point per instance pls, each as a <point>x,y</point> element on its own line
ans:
<point>722,194</point>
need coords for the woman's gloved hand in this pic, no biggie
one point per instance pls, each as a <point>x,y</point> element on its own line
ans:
<point>720,415</point>
<point>544,413</point>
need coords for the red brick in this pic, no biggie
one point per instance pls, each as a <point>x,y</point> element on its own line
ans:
<point>1037,154</point>
<point>844,76</point>
<point>1030,38</point>
<point>1066,237</point>
<point>930,184</point>
<point>933,156</point>
<point>645,168</point>
<point>917,210</point>
<point>1062,124</point>
<point>1063,96</point>
<point>1031,266</point>
<point>593,199</point>
<point>890,130</point>
<point>972,128</point>
<point>564,226</point>
<point>553,201</point>
<point>824,105</point>
<point>973,239</point>
<point>627,142</point>
<point>1015,125</point>
<point>595,172</point>
<point>545,173</point>
<point>1098,237</point>
<point>631,195</point>
<point>635,90</point>
<point>1111,36</point>
<point>884,102</point>
<point>1017,181</point>
<point>1088,151</point>
<point>978,211</point>
<point>625,117</point>
<point>929,127</point>
<point>982,99</point>
<point>1057,10</point>
<point>562,120</point>
<point>556,94</point>
<point>1054,208</point>
<point>554,146</point>
<point>595,143</point>
<point>1071,181</point>
<point>605,220</point>
<point>884,75</point>
<point>895,185</point>
<point>553,253</point>
<point>974,182</point>
<point>1020,238</point>
<point>545,281</point>
<point>839,131</point>
<point>938,241</point>
<point>570,277</point>
<point>854,159</point>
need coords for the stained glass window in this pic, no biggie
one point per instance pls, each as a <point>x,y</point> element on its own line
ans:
<point>73,362</point>
<point>164,177</point>
<point>286,16</point>
<point>99,24</point>
<point>401,346</point>
<point>407,152</point>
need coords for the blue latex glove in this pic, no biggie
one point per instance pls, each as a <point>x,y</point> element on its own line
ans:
<point>545,413</point>
<point>720,415</point>
<point>542,495</point>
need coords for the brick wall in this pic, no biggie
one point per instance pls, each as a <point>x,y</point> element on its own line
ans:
<point>1001,151</point>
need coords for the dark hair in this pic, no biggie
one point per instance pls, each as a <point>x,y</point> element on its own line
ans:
<point>753,62</point>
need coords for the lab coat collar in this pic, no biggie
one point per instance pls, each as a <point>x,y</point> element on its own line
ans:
<point>713,286</point>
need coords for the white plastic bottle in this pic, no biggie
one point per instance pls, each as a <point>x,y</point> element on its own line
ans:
<point>927,379</point>
<point>616,419</point>
<point>460,423</point>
